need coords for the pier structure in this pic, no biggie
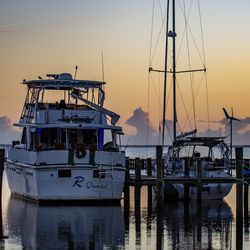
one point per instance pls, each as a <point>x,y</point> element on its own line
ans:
<point>2,158</point>
<point>137,180</point>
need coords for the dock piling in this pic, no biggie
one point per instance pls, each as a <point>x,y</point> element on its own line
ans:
<point>239,177</point>
<point>199,184</point>
<point>126,194</point>
<point>159,170</point>
<point>137,193</point>
<point>186,186</point>
<point>149,173</point>
<point>199,204</point>
<point>2,156</point>
<point>239,195</point>
<point>246,205</point>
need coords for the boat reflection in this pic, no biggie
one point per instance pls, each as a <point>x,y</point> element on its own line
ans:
<point>65,227</point>
<point>188,225</point>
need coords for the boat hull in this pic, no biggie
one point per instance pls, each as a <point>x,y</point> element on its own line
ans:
<point>65,182</point>
<point>210,191</point>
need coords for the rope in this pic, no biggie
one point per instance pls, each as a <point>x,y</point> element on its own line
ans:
<point>202,58</point>
<point>195,96</point>
<point>157,94</point>
<point>186,23</point>
<point>157,41</point>
<point>151,34</point>
<point>150,55</point>
<point>191,75</point>
<point>185,108</point>
<point>204,55</point>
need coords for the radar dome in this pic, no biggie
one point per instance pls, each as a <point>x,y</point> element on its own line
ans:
<point>65,76</point>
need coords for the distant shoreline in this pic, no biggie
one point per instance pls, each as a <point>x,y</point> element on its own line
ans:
<point>149,146</point>
<point>137,146</point>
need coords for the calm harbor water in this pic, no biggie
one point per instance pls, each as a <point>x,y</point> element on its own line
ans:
<point>174,225</point>
<point>150,151</point>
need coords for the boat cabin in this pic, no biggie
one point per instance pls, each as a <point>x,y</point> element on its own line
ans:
<point>60,113</point>
<point>59,138</point>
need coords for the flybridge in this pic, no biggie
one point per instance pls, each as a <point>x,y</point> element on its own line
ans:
<point>90,93</point>
<point>62,81</point>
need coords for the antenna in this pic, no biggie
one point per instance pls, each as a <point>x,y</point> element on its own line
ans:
<point>102,68</point>
<point>75,72</point>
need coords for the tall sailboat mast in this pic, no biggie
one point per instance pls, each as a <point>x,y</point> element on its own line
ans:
<point>165,77</point>
<point>172,34</point>
<point>174,74</point>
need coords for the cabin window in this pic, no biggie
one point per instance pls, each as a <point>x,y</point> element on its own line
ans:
<point>98,174</point>
<point>103,139</point>
<point>110,141</point>
<point>48,139</point>
<point>100,134</point>
<point>87,136</point>
<point>23,140</point>
<point>64,173</point>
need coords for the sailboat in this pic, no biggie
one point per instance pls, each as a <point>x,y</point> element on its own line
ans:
<point>187,149</point>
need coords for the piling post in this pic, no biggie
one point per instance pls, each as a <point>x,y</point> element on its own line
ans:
<point>199,224</point>
<point>138,171</point>
<point>186,193</point>
<point>142,164</point>
<point>186,186</point>
<point>239,176</point>
<point>137,193</point>
<point>199,182</point>
<point>159,170</point>
<point>159,229</point>
<point>149,167</point>
<point>159,226</point>
<point>149,173</point>
<point>2,156</point>
<point>239,194</point>
<point>246,205</point>
<point>126,193</point>
<point>199,203</point>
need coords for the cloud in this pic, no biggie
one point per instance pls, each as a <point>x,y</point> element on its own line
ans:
<point>209,121</point>
<point>241,130</point>
<point>12,29</point>
<point>144,128</point>
<point>7,131</point>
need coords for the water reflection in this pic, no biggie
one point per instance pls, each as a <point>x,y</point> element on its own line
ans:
<point>190,226</point>
<point>180,225</point>
<point>64,227</point>
<point>162,225</point>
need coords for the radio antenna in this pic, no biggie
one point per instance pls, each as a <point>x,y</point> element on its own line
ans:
<point>102,68</point>
<point>75,72</point>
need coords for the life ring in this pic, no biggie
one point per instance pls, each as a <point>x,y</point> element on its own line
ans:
<point>80,151</point>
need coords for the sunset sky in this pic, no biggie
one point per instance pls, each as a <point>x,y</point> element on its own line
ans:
<point>52,36</point>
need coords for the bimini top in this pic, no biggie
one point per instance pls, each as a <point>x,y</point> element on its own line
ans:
<point>62,81</point>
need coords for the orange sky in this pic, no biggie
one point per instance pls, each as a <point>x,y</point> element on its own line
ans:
<point>40,37</point>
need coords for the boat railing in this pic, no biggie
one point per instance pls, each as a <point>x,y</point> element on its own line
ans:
<point>60,146</point>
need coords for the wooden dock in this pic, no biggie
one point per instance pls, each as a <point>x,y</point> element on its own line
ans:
<point>146,180</point>
<point>138,180</point>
